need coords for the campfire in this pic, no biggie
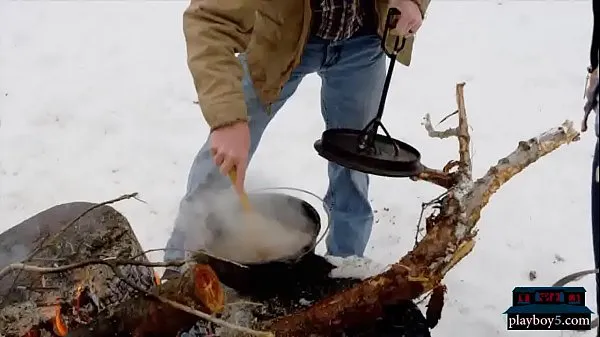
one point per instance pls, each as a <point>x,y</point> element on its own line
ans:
<point>80,310</point>
<point>86,275</point>
<point>83,307</point>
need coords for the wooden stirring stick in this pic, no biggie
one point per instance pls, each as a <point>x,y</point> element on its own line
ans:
<point>246,206</point>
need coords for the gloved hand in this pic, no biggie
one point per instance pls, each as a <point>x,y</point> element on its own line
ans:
<point>410,19</point>
<point>230,146</point>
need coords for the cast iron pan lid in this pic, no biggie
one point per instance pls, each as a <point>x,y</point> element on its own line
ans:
<point>384,157</point>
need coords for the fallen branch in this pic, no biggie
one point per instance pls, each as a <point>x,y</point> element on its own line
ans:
<point>435,203</point>
<point>440,178</point>
<point>107,261</point>
<point>449,238</point>
<point>464,139</point>
<point>526,153</point>
<point>214,320</point>
<point>433,133</point>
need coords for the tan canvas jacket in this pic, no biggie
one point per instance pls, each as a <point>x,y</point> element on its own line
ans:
<point>273,35</point>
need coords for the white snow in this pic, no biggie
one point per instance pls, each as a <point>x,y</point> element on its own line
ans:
<point>96,101</point>
<point>355,267</point>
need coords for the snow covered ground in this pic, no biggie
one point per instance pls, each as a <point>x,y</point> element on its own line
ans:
<point>96,101</point>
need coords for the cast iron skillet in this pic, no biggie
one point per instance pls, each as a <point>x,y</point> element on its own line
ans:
<point>270,275</point>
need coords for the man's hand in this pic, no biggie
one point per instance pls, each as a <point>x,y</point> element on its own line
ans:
<point>230,146</point>
<point>410,19</point>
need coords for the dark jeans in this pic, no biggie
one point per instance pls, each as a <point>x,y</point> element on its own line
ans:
<point>596,220</point>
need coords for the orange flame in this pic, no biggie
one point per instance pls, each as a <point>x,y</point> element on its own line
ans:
<point>60,328</point>
<point>156,278</point>
<point>78,294</point>
<point>208,288</point>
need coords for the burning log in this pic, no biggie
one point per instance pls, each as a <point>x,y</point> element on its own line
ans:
<point>104,285</point>
<point>199,288</point>
<point>97,291</point>
<point>34,303</point>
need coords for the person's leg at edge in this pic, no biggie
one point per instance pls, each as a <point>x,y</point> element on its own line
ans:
<point>353,77</point>
<point>596,220</point>
<point>205,176</point>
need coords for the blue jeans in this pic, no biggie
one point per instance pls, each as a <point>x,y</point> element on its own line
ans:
<point>352,73</point>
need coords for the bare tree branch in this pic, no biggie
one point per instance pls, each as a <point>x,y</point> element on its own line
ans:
<point>433,133</point>
<point>526,153</point>
<point>464,139</point>
<point>108,261</point>
<point>440,178</point>
<point>448,116</point>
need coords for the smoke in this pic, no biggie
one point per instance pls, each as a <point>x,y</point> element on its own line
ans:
<point>10,252</point>
<point>277,228</point>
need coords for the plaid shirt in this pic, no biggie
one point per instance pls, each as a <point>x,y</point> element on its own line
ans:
<point>339,19</point>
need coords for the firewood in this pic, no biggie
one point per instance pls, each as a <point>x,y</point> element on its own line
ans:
<point>85,274</point>
<point>144,316</point>
<point>30,301</point>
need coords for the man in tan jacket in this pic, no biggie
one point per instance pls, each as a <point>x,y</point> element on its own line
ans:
<point>280,42</point>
